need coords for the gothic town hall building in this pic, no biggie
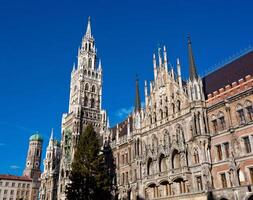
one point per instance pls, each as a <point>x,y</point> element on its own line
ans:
<point>192,140</point>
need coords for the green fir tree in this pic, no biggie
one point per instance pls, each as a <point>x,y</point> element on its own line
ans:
<point>90,179</point>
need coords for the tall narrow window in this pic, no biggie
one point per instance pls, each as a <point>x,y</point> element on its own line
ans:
<point>250,112</point>
<point>215,126</point>
<point>222,123</point>
<point>241,116</point>
<point>226,146</point>
<point>247,144</point>
<point>219,152</point>
<point>178,105</point>
<point>161,114</point>
<point>223,180</point>
<point>86,86</point>
<point>92,103</point>
<point>166,111</point>
<point>199,183</point>
<point>173,108</point>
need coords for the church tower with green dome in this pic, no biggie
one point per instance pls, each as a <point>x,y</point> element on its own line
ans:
<point>33,161</point>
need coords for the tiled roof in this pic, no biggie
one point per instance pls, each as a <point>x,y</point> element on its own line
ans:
<point>13,177</point>
<point>229,73</point>
<point>122,128</point>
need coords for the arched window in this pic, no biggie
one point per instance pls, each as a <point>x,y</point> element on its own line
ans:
<point>240,114</point>
<point>173,108</point>
<point>162,163</point>
<point>176,162</point>
<point>214,124</point>
<point>86,87</point>
<point>166,111</point>
<point>178,105</point>
<point>93,88</point>
<point>149,166</point>
<point>85,72</point>
<point>154,116</point>
<point>222,122</point>
<point>161,113</point>
<point>92,103</point>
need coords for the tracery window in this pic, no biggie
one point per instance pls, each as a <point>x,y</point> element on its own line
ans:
<point>240,114</point>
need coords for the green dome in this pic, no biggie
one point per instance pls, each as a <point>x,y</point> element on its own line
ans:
<point>36,137</point>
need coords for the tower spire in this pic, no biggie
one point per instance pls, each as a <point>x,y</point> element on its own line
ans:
<point>88,30</point>
<point>192,67</point>
<point>137,96</point>
<point>52,134</point>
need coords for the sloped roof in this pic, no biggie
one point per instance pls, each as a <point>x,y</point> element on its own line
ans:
<point>229,73</point>
<point>13,177</point>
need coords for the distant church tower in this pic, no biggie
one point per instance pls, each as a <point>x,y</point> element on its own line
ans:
<point>33,161</point>
<point>85,104</point>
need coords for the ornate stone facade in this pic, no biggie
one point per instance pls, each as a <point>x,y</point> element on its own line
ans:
<point>191,140</point>
<point>85,105</point>
<point>50,175</point>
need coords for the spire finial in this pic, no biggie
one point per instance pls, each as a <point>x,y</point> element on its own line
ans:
<point>52,134</point>
<point>99,65</point>
<point>192,67</point>
<point>137,96</point>
<point>88,30</point>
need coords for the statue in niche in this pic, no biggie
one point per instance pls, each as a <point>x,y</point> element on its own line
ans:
<point>233,175</point>
<point>207,177</point>
<point>236,145</point>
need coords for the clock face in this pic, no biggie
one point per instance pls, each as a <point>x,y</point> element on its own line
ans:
<point>37,163</point>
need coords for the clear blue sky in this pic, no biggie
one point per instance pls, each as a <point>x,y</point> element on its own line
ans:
<point>39,41</point>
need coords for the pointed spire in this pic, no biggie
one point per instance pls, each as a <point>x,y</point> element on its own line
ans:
<point>74,67</point>
<point>192,67</point>
<point>88,30</point>
<point>137,97</point>
<point>179,74</point>
<point>52,134</point>
<point>165,58</point>
<point>160,57</point>
<point>146,93</point>
<point>155,69</point>
<point>99,65</point>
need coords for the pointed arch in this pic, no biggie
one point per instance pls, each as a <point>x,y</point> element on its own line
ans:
<point>161,113</point>
<point>176,162</point>
<point>93,88</point>
<point>162,163</point>
<point>178,105</point>
<point>149,166</point>
<point>173,108</point>
<point>166,111</point>
<point>86,87</point>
